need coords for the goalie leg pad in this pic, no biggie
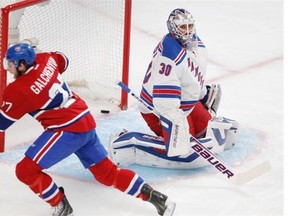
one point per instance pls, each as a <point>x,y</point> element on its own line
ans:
<point>223,133</point>
<point>231,134</point>
<point>122,148</point>
<point>148,150</point>
<point>121,152</point>
<point>151,157</point>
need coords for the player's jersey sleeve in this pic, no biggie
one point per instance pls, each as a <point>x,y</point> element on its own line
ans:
<point>14,106</point>
<point>62,61</point>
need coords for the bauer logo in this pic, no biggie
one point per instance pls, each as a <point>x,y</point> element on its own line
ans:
<point>213,161</point>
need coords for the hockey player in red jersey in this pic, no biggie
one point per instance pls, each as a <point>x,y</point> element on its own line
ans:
<point>69,127</point>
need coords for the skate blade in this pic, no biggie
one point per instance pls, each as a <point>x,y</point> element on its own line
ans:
<point>170,208</point>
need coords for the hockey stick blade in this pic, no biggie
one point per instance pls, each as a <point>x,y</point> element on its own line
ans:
<point>255,172</point>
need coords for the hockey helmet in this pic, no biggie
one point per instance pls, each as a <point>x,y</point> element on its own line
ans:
<point>181,25</point>
<point>21,51</point>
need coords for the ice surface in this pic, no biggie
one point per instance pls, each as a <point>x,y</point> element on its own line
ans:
<point>245,44</point>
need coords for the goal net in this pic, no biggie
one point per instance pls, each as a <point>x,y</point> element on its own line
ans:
<point>93,34</point>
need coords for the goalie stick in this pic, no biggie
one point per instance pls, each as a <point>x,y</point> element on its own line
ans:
<point>237,178</point>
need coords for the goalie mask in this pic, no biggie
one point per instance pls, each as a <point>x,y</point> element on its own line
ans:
<point>181,25</point>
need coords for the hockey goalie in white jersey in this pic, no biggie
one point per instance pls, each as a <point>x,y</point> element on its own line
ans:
<point>186,107</point>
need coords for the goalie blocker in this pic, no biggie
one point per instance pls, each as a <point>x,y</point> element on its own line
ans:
<point>175,132</point>
<point>148,150</point>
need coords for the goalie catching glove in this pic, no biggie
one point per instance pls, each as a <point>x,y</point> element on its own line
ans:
<point>212,98</point>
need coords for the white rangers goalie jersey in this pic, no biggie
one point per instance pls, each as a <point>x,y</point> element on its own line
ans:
<point>175,77</point>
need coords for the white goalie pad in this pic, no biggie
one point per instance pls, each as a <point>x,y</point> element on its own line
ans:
<point>223,133</point>
<point>147,150</point>
<point>175,132</point>
<point>231,135</point>
<point>122,149</point>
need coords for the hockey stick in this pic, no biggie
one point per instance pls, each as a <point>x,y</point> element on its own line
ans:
<point>210,157</point>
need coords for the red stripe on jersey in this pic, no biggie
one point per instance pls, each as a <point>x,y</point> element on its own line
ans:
<point>166,91</point>
<point>179,56</point>
<point>187,106</point>
<point>146,97</point>
<point>47,146</point>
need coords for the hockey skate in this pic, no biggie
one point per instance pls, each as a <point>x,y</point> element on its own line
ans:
<point>63,208</point>
<point>164,206</point>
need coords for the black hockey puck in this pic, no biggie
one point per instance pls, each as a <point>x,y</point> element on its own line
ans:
<point>105,111</point>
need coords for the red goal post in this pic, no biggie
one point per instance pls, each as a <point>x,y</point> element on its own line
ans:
<point>95,35</point>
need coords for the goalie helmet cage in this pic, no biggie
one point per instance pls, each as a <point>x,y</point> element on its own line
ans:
<point>95,35</point>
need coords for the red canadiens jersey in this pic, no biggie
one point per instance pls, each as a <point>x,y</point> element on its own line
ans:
<point>42,93</point>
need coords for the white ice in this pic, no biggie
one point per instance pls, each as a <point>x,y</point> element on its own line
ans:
<point>245,43</point>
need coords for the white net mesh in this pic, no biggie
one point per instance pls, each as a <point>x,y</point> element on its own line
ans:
<point>89,32</point>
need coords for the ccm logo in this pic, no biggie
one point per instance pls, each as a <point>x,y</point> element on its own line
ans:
<point>208,157</point>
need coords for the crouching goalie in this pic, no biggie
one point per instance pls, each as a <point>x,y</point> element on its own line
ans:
<point>179,105</point>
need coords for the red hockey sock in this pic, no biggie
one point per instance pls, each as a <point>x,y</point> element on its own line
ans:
<point>30,173</point>
<point>144,197</point>
<point>110,174</point>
